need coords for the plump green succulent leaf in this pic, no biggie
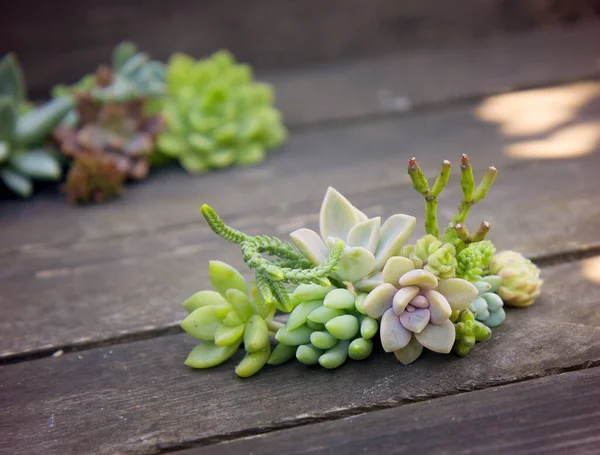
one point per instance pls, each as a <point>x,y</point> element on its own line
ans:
<point>368,327</point>
<point>323,339</point>
<point>335,356</point>
<point>299,315</point>
<point>281,354</point>
<point>223,277</point>
<point>296,337</point>
<point>37,164</point>
<point>37,124</point>
<point>12,82</point>
<point>340,299</point>
<point>305,292</point>
<point>241,303</point>
<point>322,314</point>
<point>17,183</point>
<point>337,215</point>
<point>356,263</point>
<point>308,354</point>
<point>208,354</point>
<point>224,335</point>
<point>343,327</point>
<point>360,348</point>
<point>253,362</point>
<point>256,334</point>
<point>202,323</point>
<point>203,298</point>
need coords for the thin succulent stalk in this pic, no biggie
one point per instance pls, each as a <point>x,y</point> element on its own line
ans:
<point>220,228</point>
<point>421,185</point>
<point>481,232</point>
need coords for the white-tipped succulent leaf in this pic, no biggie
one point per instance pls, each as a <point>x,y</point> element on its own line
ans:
<point>368,244</point>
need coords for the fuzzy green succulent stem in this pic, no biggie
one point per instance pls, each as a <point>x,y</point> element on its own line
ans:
<point>421,185</point>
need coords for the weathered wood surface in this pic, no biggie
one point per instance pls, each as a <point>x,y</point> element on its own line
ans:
<point>77,34</point>
<point>354,158</point>
<point>139,396</point>
<point>554,415</point>
<point>91,290</point>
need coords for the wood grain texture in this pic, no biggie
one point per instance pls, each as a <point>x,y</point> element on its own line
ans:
<point>353,158</point>
<point>553,416</point>
<point>93,290</point>
<point>139,397</point>
<point>78,35</point>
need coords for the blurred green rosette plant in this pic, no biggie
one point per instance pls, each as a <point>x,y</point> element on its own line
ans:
<point>25,154</point>
<point>217,115</point>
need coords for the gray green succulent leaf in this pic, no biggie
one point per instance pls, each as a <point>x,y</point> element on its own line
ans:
<point>368,243</point>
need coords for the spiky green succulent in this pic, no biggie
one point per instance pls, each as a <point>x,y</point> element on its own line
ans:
<point>232,314</point>
<point>521,281</point>
<point>217,115</point>
<point>325,327</point>
<point>468,331</point>
<point>24,152</point>
<point>473,261</point>
<point>433,255</point>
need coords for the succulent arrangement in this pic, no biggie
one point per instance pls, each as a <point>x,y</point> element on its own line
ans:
<point>137,113</point>
<point>25,154</point>
<point>357,278</point>
<point>216,114</point>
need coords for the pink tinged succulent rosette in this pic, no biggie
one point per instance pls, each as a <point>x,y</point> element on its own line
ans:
<point>415,308</point>
<point>368,243</point>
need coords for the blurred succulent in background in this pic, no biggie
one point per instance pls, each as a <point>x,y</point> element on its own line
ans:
<point>521,282</point>
<point>132,76</point>
<point>225,318</point>
<point>217,115</point>
<point>488,306</point>
<point>324,327</point>
<point>117,132</point>
<point>368,243</point>
<point>415,307</point>
<point>468,331</point>
<point>24,153</point>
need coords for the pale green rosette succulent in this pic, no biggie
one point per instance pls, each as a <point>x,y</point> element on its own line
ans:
<point>225,318</point>
<point>368,243</point>
<point>325,328</point>
<point>488,306</point>
<point>415,308</point>
<point>431,254</point>
<point>521,283</point>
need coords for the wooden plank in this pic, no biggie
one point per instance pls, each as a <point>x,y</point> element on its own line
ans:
<point>553,415</point>
<point>139,397</point>
<point>266,33</point>
<point>94,290</point>
<point>354,158</point>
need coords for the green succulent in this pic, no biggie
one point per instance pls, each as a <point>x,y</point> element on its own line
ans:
<point>24,155</point>
<point>217,115</point>
<point>433,255</point>
<point>468,331</point>
<point>325,327</point>
<point>135,76</point>
<point>225,318</point>
<point>473,261</point>
<point>488,305</point>
<point>521,283</point>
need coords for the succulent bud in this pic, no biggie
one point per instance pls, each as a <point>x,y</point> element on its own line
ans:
<point>468,332</point>
<point>473,261</point>
<point>431,254</point>
<point>520,283</point>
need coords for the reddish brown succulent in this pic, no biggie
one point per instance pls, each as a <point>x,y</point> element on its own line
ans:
<point>93,178</point>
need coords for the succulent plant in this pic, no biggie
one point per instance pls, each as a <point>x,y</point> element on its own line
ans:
<point>93,178</point>
<point>217,115</point>
<point>415,307</point>
<point>132,76</point>
<point>225,318</point>
<point>368,243</point>
<point>24,153</point>
<point>325,327</point>
<point>119,132</point>
<point>473,261</point>
<point>488,306</point>
<point>433,255</point>
<point>468,331</point>
<point>521,282</point>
